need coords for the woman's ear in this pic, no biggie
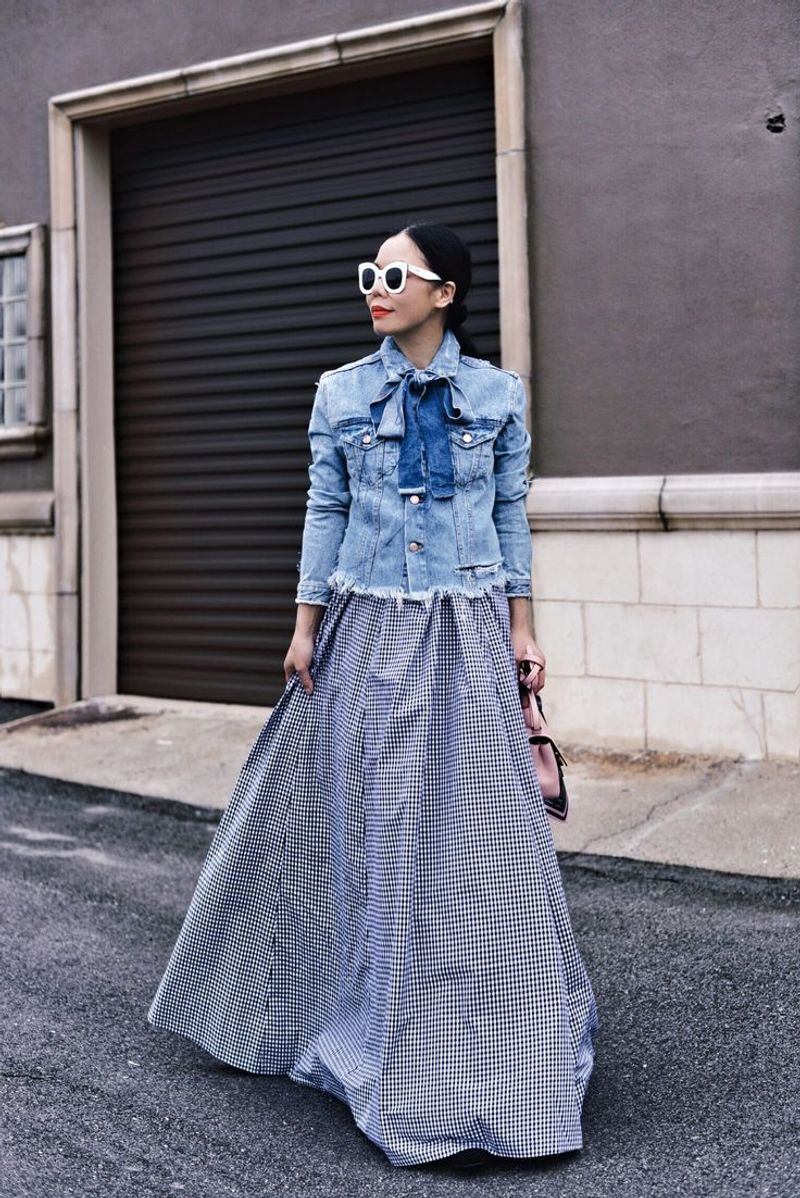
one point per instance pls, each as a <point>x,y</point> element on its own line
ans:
<point>448,295</point>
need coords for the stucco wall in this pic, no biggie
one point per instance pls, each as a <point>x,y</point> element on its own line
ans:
<point>665,272</point>
<point>666,251</point>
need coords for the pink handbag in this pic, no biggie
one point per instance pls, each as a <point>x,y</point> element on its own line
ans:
<point>547,759</point>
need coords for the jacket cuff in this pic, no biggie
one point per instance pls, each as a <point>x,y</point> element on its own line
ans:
<point>313,592</point>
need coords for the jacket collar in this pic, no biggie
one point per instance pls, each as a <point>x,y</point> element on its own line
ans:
<point>443,365</point>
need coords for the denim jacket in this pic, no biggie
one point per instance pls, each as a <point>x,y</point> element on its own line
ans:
<point>362,534</point>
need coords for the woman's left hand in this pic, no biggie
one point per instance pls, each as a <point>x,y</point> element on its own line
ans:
<point>526,649</point>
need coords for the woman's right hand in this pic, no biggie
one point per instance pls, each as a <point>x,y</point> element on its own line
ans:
<point>301,650</point>
<point>298,659</point>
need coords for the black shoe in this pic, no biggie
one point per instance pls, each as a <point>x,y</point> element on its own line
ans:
<point>469,1158</point>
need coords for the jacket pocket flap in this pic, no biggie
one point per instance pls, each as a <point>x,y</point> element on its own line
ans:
<point>468,436</point>
<point>360,434</point>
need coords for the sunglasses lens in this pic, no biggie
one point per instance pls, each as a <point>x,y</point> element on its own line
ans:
<point>393,278</point>
<point>367,278</point>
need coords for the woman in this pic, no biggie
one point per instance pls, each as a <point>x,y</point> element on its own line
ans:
<point>381,913</point>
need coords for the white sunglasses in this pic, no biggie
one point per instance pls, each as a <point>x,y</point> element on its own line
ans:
<point>393,275</point>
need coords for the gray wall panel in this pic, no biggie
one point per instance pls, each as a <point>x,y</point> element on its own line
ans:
<point>665,267</point>
<point>665,236</point>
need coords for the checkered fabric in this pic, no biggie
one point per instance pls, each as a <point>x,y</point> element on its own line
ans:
<point>381,912</point>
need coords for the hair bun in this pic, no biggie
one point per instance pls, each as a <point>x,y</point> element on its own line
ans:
<point>458,313</point>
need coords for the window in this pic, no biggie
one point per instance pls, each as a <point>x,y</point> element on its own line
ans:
<point>13,337</point>
<point>22,340</point>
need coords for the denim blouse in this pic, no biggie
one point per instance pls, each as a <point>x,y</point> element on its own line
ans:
<point>365,532</point>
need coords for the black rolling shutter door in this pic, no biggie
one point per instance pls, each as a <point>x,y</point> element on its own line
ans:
<point>236,234</point>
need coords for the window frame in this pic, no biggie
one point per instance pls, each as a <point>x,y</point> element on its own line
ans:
<point>27,438</point>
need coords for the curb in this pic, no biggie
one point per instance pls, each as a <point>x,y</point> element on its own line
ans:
<point>784,892</point>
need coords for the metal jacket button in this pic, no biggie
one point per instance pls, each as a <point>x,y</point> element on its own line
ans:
<point>366,438</point>
<point>415,498</point>
<point>467,437</point>
<point>414,546</point>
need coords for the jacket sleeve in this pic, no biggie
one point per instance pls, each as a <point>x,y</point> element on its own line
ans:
<point>511,478</point>
<point>327,506</point>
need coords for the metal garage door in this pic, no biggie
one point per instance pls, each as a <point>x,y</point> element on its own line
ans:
<point>236,233</point>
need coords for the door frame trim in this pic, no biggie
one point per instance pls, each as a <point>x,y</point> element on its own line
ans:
<point>84,477</point>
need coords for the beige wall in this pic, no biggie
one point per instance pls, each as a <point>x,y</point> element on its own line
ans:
<point>685,641</point>
<point>27,617</point>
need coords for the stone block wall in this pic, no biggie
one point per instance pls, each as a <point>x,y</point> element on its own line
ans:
<point>27,617</point>
<point>683,641</point>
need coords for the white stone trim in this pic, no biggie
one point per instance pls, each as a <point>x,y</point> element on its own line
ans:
<point>22,440</point>
<point>22,511</point>
<point>18,235</point>
<point>666,502</point>
<point>411,34</point>
<point>98,494</point>
<point>512,198</point>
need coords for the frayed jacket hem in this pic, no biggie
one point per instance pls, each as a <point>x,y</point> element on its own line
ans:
<point>341,581</point>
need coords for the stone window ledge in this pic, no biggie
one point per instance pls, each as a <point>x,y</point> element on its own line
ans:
<point>23,441</point>
<point>26,511</point>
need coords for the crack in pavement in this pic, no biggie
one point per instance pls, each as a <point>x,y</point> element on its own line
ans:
<point>698,791</point>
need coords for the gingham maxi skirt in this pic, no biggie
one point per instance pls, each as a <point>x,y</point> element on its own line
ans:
<point>381,912</point>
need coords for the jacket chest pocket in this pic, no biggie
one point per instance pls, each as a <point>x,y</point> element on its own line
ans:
<point>369,457</point>
<point>472,450</point>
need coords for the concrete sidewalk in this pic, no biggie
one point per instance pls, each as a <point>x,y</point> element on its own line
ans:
<point>737,816</point>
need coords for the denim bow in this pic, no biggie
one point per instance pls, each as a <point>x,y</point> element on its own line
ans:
<point>417,405</point>
<point>424,417</point>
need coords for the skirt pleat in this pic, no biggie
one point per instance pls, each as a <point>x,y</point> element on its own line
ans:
<point>381,912</point>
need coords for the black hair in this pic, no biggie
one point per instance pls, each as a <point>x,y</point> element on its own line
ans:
<point>449,257</point>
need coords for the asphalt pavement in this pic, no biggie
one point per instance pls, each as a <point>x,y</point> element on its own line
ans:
<point>694,1091</point>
